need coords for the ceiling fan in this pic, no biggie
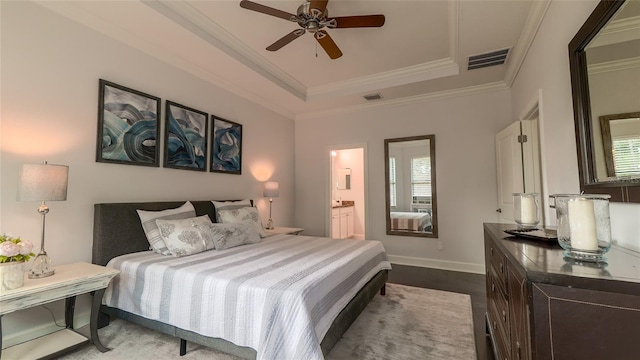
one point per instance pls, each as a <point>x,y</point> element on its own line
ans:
<point>313,17</point>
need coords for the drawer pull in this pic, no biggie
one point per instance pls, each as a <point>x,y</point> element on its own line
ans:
<point>494,325</point>
<point>518,347</point>
<point>504,316</point>
<point>501,268</point>
<point>493,288</point>
<point>491,251</point>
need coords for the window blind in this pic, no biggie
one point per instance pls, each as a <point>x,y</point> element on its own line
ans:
<point>392,181</point>
<point>420,176</point>
<point>626,155</point>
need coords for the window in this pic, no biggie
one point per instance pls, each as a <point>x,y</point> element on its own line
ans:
<point>392,182</point>
<point>420,177</point>
<point>626,155</point>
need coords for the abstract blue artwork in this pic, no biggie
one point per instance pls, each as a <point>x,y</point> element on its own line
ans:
<point>128,129</point>
<point>226,156</point>
<point>185,137</point>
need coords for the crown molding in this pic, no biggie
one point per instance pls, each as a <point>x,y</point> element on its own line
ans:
<point>75,12</point>
<point>618,31</point>
<point>407,75</point>
<point>615,65</point>
<point>528,34</point>
<point>193,20</point>
<point>440,95</point>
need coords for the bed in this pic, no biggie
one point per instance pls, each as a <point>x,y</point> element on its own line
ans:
<point>410,221</point>
<point>119,240</point>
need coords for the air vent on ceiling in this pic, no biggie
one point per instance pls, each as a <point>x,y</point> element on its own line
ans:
<point>493,58</point>
<point>371,97</point>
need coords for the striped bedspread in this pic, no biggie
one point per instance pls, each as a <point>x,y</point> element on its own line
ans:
<point>278,297</point>
<point>411,221</point>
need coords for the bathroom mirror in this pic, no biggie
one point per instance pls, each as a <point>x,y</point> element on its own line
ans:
<point>344,179</point>
<point>410,186</point>
<point>605,79</point>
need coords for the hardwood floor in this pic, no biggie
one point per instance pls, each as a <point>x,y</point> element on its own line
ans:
<point>460,282</point>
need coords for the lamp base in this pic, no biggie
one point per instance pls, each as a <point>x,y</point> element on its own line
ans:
<point>269,224</point>
<point>41,267</point>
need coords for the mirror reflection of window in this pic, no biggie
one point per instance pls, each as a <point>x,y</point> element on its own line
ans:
<point>621,144</point>
<point>392,182</point>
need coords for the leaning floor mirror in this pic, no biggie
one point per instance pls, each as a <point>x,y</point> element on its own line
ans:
<point>410,184</point>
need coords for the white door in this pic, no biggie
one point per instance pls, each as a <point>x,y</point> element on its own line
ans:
<point>510,170</point>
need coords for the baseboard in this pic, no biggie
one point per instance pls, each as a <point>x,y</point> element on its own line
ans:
<point>438,264</point>
<point>81,318</point>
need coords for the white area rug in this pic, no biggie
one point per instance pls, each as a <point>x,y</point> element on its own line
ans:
<point>408,323</point>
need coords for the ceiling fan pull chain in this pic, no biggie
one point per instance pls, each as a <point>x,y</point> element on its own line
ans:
<point>316,49</point>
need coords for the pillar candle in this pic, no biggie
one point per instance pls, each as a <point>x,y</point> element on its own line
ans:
<point>582,224</point>
<point>528,210</point>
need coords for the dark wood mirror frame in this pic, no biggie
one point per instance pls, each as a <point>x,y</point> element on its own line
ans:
<point>434,201</point>
<point>620,190</point>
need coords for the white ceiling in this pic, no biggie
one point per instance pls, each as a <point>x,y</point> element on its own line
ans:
<point>421,52</point>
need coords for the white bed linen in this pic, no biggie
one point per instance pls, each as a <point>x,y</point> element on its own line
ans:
<point>278,297</point>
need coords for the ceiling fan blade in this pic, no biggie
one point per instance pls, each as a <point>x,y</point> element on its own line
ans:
<point>359,21</point>
<point>327,44</point>
<point>250,5</point>
<point>318,4</point>
<point>286,39</point>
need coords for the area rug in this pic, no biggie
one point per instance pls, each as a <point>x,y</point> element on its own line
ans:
<point>408,323</point>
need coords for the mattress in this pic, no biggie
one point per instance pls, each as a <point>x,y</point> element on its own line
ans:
<point>278,297</point>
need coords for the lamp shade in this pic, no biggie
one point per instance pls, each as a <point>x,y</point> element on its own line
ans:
<point>271,189</point>
<point>43,182</point>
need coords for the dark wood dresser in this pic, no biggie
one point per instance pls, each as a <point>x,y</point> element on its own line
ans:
<point>541,306</point>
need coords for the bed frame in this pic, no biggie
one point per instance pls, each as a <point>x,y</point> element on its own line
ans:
<point>117,231</point>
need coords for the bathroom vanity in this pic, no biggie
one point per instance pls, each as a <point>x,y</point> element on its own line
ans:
<point>543,306</point>
<point>342,220</point>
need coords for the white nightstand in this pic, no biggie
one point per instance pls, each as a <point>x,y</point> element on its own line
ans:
<point>68,282</point>
<point>284,230</point>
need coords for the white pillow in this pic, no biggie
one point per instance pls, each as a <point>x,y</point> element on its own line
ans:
<point>148,220</point>
<point>229,235</point>
<point>183,237</point>
<point>243,214</point>
<point>228,205</point>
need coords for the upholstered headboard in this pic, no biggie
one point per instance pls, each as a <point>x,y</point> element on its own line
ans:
<point>117,229</point>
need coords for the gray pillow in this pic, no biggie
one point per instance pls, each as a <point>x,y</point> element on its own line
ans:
<point>148,220</point>
<point>228,205</point>
<point>184,237</point>
<point>229,235</point>
<point>243,214</point>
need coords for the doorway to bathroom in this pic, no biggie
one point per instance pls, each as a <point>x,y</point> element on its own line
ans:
<point>347,184</point>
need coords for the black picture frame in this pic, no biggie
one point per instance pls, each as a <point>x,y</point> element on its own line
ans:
<point>226,146</point>
<point>185,137</point>
<point>128,126</point>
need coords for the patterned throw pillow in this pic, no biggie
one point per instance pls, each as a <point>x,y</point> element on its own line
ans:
<point>148,220</point>
<point>183,237</point>
<point>243,214</point>
<point>229,235</point>
<point>229,205</point>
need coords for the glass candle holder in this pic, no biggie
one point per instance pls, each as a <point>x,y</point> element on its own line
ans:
<point>584,225</point>
<point>525,210</point>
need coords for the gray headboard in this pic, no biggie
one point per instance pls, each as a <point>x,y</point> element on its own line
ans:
<point>117,229</point>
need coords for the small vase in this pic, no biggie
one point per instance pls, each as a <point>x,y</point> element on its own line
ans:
<point>11,275</point>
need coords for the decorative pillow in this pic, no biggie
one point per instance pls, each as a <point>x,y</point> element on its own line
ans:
<point>229,205</point>
<point>183,237</point>
<point>243,214</point>
<point>228,235</point>
<point>148,220</point>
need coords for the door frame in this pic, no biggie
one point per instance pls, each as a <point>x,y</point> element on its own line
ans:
<point>329,185</point>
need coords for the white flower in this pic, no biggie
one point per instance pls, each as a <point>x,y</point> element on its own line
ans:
<point>26,247</point>
<point>9,249</point>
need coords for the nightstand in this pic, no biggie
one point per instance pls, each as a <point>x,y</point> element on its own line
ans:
<point>284,230</point>
<point>68,282</point>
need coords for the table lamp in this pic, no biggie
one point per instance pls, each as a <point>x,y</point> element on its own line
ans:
<point>42,182</point>
<point>271,190</point>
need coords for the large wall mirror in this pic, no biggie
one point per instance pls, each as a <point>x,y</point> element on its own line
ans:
<point>605,80</point>
<point>410,183</point>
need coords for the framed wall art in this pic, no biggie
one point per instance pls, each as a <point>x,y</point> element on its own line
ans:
<point>128,126</point>
<point>185,137</point>
<point>226,155</point>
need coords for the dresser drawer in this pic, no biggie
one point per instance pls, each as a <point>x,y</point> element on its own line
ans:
<point>497,260</point>
<point>501,339</point>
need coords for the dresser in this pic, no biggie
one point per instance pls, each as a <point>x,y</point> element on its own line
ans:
<point>542,306</point>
